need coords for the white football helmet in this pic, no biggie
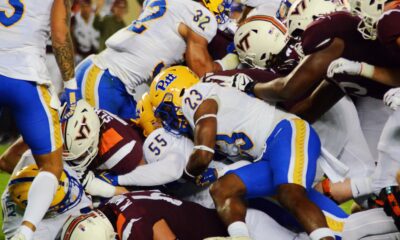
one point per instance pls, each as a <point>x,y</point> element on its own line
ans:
<point>259,40</point>
<point>304,12</point>
<point>94,225</point>
<point>81,137</point>
<point>369,12</point>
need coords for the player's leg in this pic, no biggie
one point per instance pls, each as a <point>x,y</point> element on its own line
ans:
<point>101,90</point>
<point>39,125</point>
<point>389,152</point>
<point>373,223</point>
<point>334,215</point>
<point>229,192</point>
<point>293,150</point>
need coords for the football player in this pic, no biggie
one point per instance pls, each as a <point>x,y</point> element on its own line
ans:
<point>25,89</point>
<point>241,126</point>
<point>143,215</point>
<point>69,199</point>
<point>96,141</point>
<point>163,35</point>
<point>271,55</point>
<point>322,47</point>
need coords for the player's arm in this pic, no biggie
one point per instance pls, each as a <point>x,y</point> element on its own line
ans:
<point>387,76</point>
<point>61,38</point>
<point>167,170</point>
<point>205,133</point>
<point>197,56</point>
<point>319,101</point>
<point>10,158</point>
<point>161,231</point>
<point>310,71</point>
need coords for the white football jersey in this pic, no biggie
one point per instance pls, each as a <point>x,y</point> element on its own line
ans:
<point>49,227</point>
<point>244,122</point>
<point>161,142</point>
<point>24,30</point>
<point>135,53</point>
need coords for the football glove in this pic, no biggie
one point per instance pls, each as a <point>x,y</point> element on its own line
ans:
<point>207,177</point>
<point>23,233</point>
<point>391,199</point>
<point>229,62</point>
<point>392,98</point>
<point>69,97</point>
<point>108,178</point>
<point>344,66</point>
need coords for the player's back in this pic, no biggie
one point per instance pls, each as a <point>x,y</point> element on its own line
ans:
<point>138,52</point>
<point>24,30</point>
<point>244,122</point>
<point>120,146</point>
<point>137,212</point>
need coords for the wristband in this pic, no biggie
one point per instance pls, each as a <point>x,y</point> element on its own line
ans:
<point>204,148</point>
<point>250,87</point>
<point>319,233</point>
<point>187,173</point>
<point>205,116</point>
<point>367,70</point>
<point>71,84</point>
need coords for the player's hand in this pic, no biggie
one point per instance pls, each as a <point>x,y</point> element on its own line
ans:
<point>344,66</point>
<point>229,62</point>
<point>108,178</point>
<point>23,233</point>
<point>19,236</point>
<point>392,98</point>
<point>69,97</point>
<point>207,177</point>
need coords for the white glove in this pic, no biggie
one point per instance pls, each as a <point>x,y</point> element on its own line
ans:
<point>97,187</point>
<point>229,62</point>
<point>392,98</point>
<point>23,233</point>
<point>344,66</point>
<point>239,80</point>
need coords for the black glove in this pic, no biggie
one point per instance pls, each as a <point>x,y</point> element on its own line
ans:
<point>391,200</point>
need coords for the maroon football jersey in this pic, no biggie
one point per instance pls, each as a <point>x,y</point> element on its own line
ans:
<point>219,44</point>
<point>120,146</point>
<point>389,29</point>
<point>343,25</point>
<point>134,214</point>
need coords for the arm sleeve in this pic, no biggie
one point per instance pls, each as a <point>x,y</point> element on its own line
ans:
<point>157,173</point>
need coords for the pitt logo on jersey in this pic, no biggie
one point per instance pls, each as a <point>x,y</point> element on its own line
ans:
<point>163,84</point>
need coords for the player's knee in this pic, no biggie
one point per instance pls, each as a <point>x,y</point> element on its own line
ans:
<point>226,187</point>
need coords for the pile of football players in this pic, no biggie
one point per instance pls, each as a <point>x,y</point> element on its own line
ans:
<point>251,129</point>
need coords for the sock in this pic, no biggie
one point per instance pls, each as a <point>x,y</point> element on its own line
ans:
<point>26,232</point>
<point>238,229</point>
<point>40,196</point>
<point>360,186</point>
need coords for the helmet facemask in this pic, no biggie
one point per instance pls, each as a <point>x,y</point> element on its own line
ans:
<point>172,116</point>
<point>221,9</point>
<point>369,12</point>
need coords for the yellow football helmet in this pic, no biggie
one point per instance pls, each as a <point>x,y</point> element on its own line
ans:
<point>147,121</point>
<point>166,93</point>
<point>220,8</point>
<point>68,194</point>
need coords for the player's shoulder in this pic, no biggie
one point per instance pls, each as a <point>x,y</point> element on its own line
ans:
<point>319,34</point>
<point>388,26</point>
<point>197,17</point>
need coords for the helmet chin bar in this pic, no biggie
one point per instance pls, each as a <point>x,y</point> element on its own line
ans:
<point>80,165</point>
